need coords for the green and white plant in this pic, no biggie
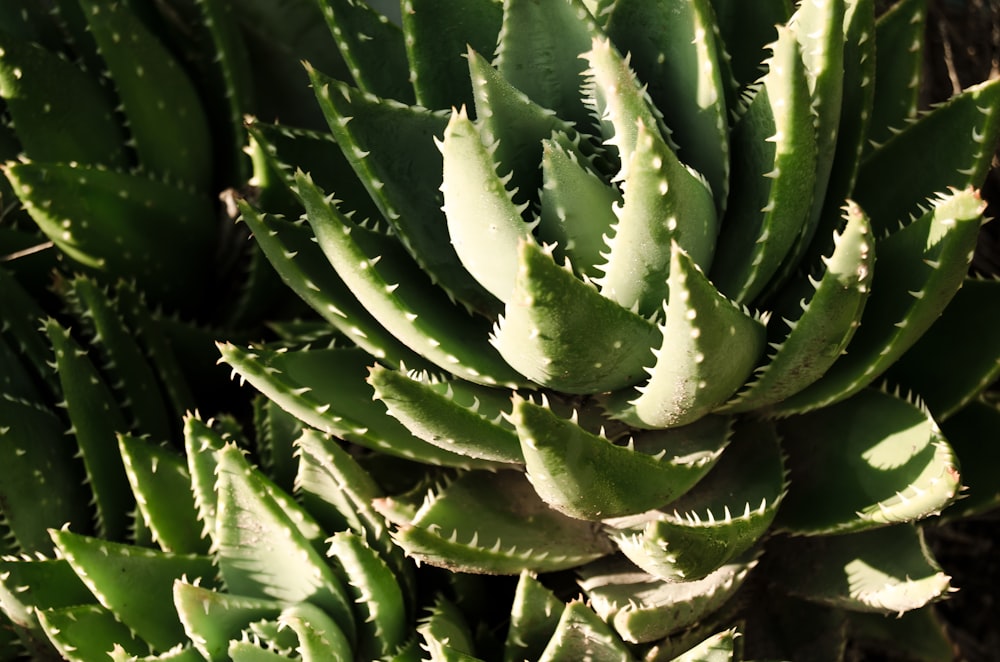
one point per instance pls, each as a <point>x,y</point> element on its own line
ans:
<point>651,295</point>
<point>662,308</point>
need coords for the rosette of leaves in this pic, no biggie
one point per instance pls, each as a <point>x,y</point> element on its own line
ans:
<point>680,294</point>
<point>325,583</point>
<point>73,379</point>
<point>113,506</point>
<point>123,138</point>
<point>674,285</point>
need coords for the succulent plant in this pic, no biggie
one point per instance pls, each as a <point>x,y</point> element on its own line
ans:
<point>670,289</point>
<point>123,140</point>
<point>660,311</point>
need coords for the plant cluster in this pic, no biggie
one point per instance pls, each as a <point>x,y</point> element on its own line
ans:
<point>636,330</point>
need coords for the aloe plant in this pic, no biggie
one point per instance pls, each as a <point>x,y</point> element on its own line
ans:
<point>650,296</point>
<point>665,285</point>
<point>123,138</point>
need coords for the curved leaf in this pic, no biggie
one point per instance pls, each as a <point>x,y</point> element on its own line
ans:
<point>140,602</point>
<point>586,476</point>
<point>494,523</point>
<point>774,170</point>
<point>212,618</point>
<point>561,333</point>
<point>888,570</point>
<point>644,608</point>
<point>739,498</point>
<point>825,323</point>
<point>326,388</point>
<point>484,223</point>
<point>710,346</point>
<point>256,539</point>
<point>162,485</point>
<point>871,460</point>
<point>674,50</point>
<point>165,118</point>
<point>400,296</point>
<point>455,415</point>
<point>920,267</point>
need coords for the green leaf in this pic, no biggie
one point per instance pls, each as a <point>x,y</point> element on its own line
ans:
<point>401,297</point>
<point>326,388</point>
<point>139,602</point>
<point>160,480</point>
<point>561,333</point>
<point>512,127</point>
<point>391,149</point>
<point>178,653</point>
<point>582,635</point>
<point>494,523</point>
<point>200,444</point>
<point>124,361</point>
<point>229,77</point>
<point>534,617</point>
<point>122,224</point>
<point>320,638</point>
<point>372,47</point>
<point>710,346</point>
<point>276,432</point>
<point>820,327</point>
<point>85,633</point>
<point>22,314</point>
<point>96,420</point>
<point>279,150</point>
<point>157,347</point>
<point>455,415</point>
<point>963,131</point>
<point>256,537</point>
<point>211,618</point>
<point>438,33</point>
<point>371,582</point>
<point>673,50</point>
<point>747,29</point>
<point>774,168</point>
<point>41,482</point>
<point>576,207</point>
<point>954,361</point>
<point>302,266</point>
<point>16,381</point>
<point>246,651</point>
<point>540,45</point>
<point>339,493</point>
<point>716,521</point>
<point>445,633</point>
<point>920,267</point>
<point>856,110</point>
<point>31,20</point>
<point>60,112</point>
<point>819,28</point>
<point>164,115</point>
<point>887,571</point>
<point>643,608</point>
<point>899,37</point>
<point>28,585</point>
<point>279,38</point>
<point>664,203</point>
<point>720,647</point>
<point>588,477</point>
<point>619,101</point>
<point>484,223</point>
<point>871,460</point>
